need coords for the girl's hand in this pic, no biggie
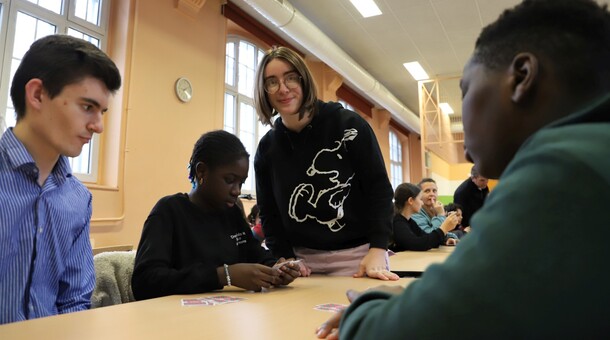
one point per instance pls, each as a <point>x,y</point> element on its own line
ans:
<point>450,222</point>
<point>451,242</point>
<point>253,276</point>
<point>374,265</point>
<point>289,270</point>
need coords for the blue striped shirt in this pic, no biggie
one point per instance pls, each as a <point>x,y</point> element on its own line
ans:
<point>46,263</point>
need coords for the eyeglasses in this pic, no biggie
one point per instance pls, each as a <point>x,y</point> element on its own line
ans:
<point>291,81</point>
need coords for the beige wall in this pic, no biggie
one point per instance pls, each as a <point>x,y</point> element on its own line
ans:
<point>159,130</point>
<point>150,134</point>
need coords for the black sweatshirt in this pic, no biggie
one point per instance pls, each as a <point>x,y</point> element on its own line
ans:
<point>181,247</point>
<point>409,236</point>
<point>325,187</point>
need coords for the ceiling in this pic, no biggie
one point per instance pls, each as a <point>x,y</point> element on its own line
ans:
<point>439,34</point>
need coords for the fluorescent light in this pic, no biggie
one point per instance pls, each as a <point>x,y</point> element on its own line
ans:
<point>446,108</point>
<point>417,72</point>
<point>367,8</point>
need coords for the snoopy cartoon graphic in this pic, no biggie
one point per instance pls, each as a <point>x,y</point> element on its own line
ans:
<point>305,201</point>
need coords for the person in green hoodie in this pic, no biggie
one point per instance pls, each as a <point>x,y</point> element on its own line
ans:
<point>536,113</point>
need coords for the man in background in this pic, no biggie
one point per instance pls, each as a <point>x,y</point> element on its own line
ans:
<point>471,194</point>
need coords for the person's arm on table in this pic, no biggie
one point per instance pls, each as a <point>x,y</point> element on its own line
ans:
<point>489,274</point>
<point>367,160</point>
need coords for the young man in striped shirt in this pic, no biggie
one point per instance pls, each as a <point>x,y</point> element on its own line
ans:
<point>60,92</point>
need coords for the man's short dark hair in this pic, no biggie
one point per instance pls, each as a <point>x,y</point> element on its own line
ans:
<point>572,34</point>
<point>474,172</point>
<point>425,180</point>
<point>60,60</point>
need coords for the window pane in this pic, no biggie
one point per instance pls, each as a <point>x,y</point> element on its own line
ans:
<point>230,65</point>
<point>51,5</point>
<point>242,59</point>
<point>84,36</point>
<point>247,63</point>
<point>27,30</point>
<point>395,159</point>
<point>262,130</point>
<point>88,10</point>
<point>229,113</point>
<point>247,133</point>
<point>82,163</point>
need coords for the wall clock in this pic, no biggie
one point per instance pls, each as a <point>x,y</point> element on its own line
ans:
<point>184,89</point>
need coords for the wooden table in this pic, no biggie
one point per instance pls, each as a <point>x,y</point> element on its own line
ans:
<point>419,260</point>
<point>280,313</point>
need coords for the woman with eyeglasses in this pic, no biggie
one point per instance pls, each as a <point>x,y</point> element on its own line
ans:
<point>321,183</point>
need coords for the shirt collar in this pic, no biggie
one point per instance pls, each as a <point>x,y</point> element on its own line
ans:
<point>18,156</point>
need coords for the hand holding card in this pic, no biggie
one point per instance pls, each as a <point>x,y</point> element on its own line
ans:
<point>289,270</point>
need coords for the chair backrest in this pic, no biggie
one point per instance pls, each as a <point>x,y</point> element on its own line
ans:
<point>122,247</point>
<point>113,270</point>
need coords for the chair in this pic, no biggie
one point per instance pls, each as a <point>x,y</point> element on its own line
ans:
<point>123,247</point>
<point>113,270</point>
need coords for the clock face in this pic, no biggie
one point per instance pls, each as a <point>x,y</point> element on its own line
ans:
<point>184,89</point>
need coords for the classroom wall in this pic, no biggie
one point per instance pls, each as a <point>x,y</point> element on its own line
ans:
<point>447,176</point>
<point>165,43</point>
<point>150,134</point>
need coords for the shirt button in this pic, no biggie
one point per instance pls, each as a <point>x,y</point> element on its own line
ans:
<point>40,230</point>
<point>31,306</point>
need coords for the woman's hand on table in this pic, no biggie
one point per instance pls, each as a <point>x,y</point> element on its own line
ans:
<point>374,265</point>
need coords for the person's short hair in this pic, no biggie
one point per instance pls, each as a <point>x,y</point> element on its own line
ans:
<point>216,148</point>
<point>60,60</point>
<point>474,172</point>
<point>261,102</point>
<point>425,180</point>
<point>402,194</point>
<point>574,35</point>
<point>453,207</point>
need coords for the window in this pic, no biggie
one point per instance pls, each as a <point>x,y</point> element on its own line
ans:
<point>23,22</point>
<point>346,105</point>
<point>240,118</point>
<point>395,159</point>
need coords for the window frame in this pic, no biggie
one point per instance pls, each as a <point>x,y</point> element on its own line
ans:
<point>240,98</point>
<point>396,149</point>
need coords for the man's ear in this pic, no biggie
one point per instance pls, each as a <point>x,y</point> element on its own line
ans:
<point>525,71</point>
<point>34,92</point>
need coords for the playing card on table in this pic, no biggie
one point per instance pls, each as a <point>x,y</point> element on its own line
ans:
<point>330,307</point>
<point>211,300</point>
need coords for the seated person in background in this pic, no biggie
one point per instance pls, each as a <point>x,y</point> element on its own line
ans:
<point>471,194</point>
<point>536,112</point>
<point>199,242</point>
<point>407,234</point>
<point>459,229</point>
<point>432,214</point>
<point>255,223</point>
<point>60,91</point>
